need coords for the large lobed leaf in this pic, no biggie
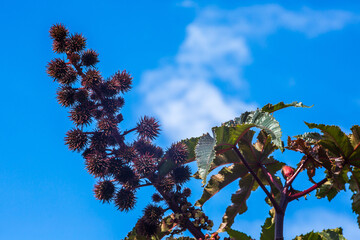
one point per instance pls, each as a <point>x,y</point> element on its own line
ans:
<point>238,200</point>
<point>329,234</point>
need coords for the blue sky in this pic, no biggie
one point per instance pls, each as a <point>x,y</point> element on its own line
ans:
<point>195,64</point>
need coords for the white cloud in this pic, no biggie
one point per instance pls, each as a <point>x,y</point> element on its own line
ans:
<point>184,92</point>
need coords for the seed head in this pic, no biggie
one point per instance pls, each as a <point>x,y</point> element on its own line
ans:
<point>89,58</point>
<point>148,128</point>
<point>104,190</point>
<point>122,81</point>
<point>76,139</point>
<point>91,79</point>
<point>96,165</point>
<point>57,68</point>
<point>125,199</point>
<point>66,96</point>
<point>177,153</point>
<point>145,164</point>
<point>75,43</point>
<point>181,174</point>
<point>58,32</point>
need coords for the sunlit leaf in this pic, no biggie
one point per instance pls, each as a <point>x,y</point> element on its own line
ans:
<point>205,154</point>
<point>272,108</point>
<point>329,234</point>
<point>238,235</point>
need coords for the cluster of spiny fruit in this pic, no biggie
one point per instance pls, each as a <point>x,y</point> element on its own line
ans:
<point>95,104</point>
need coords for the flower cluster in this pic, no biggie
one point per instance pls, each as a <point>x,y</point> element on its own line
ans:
<point>121,167</point>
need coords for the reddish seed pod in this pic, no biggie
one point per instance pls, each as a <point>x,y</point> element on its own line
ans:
<point>287,172</point>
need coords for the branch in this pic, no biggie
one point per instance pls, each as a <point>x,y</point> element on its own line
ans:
<point>129,131</point>
<point>298,170</point>
<point>300,194</point>
<point>276,205</point>
<point>270,178</point>
<point>175,208</point>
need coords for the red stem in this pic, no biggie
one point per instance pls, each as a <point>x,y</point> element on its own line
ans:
<point>300,194</point>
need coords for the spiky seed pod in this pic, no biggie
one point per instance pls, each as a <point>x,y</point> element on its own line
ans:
<point>91,79</point>
<point>74,58</point>
<point>96,165</point>
<point>82,96</point>
<point>107,125</point>
<point>181,174</point>
<point>119,118</point>
<point>153,214</point>
<point>98,141</point>
<point>69,78</point>
<point>125,199</point>
<point>114,165</point>
<point>156,197</point>
<point>66,96</point>
<point>104,190</point>
<point>126,153</point>
<point>76,139</point>
<point>59,46</point>
<point>186,192</point>
<point>57,68</point>
<point>148,128</point>
<point>122,81</point>
<point>97,114</point>
<point>145,228</point>
<point>166,184</point>
<point>89,58</point>
<point>145,164</point>
<point>143,146</point>
<point>124,175</point>
<point>58,32</point>
<point>75,43</point>
<point>111,105</point>
<point>81,114</point>
<point>109,89</point>
<point>177,153</point>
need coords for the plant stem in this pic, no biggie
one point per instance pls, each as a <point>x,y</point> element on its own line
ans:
<point>298,170</point>
<point>300,194</point>
<point>175,208</point>
<point>279,218</point>
<point>270,178</point>
<point>273,201</point>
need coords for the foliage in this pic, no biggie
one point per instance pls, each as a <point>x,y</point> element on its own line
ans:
<point>240,149</point>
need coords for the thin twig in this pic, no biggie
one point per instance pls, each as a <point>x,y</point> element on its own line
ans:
<point>273,201</point>
<point>128,131</point>
<point>292,178</point>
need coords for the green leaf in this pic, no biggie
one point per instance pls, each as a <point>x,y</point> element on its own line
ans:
<point>267,122</point>
<point>329,234</point>
<point>334,140</point>
<point>268,229</point>
<point>237,235</point>
<point>166,166</point>
<point>230,134</point>
<point>191,144</point>
<point>355,136</point>
<point>354,182</point>
<point>310,137</point>
<point>217,182</point>
<point>355,205</point>
<point>272,108</point>
<point>238,202</point>
<point>327,190</point>
<point>205,154</point>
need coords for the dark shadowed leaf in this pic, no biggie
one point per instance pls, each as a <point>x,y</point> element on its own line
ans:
<point>217,182</point>
<point>268,229</point>
<point>238,200</point>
